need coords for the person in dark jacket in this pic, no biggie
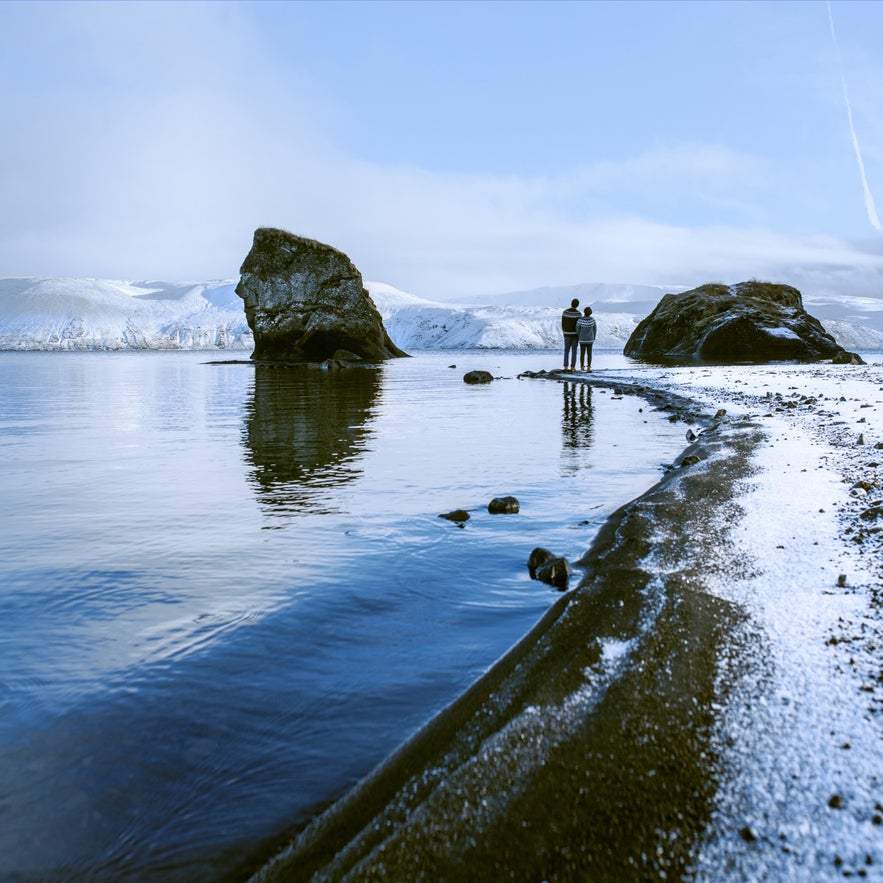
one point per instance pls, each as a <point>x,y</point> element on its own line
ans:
<point>568,325</point>
<point>586,331</point>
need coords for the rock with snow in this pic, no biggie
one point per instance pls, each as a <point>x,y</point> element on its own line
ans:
<point>750,322</point>
<point>305,300</point>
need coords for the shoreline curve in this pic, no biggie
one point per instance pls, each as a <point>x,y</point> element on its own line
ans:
<point>586,750</point>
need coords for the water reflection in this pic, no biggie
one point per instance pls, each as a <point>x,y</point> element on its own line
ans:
<point>304,431</point>
<point>577,426</point>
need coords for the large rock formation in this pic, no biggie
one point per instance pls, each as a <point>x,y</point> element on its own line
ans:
<point>305,302</point>
<point>749,322</point>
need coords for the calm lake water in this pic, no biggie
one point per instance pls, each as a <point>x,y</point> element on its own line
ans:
<point>226,592</point>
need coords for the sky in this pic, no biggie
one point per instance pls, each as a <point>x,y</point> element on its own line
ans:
<point>449,148</point>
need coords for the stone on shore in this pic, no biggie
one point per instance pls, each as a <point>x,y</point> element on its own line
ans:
<point>752,322</point>
<point>305,302</point>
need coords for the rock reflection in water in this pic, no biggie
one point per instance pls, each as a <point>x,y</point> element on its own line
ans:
<point>303,434</point>
<point>577,426</point>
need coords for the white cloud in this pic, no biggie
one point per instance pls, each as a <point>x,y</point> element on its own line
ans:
<point>159,157</point>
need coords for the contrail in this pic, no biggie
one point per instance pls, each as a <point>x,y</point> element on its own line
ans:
<point>869,198</point>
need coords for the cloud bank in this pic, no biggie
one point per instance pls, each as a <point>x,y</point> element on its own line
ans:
<point>134,158</point>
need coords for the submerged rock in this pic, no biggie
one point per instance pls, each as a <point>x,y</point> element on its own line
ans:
<point>503,506</point>
<point>555,573</point>
<point>478,377</point>
<point>549,568</point>
<point>305,302</point>
<point>536,559</point>
<point>455,515</point>
<point>749,322</point>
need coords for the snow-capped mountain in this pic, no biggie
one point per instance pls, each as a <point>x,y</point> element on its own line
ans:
<point>414,323</point>
<point>100,314</point>
<point>94,314</point>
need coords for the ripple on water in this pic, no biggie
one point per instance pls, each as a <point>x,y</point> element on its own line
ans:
<point>227,593</point>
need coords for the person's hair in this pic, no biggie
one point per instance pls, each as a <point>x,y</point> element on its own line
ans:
<point>574,304</point>
<point>587,311</point>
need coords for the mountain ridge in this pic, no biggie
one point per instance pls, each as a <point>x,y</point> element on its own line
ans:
<point>64,313</point>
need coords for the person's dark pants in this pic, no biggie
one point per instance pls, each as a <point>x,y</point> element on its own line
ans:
<point>585,356</point>
<point>570,346</point>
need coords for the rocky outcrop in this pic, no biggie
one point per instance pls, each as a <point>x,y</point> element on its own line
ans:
<point>305,302</point>
<point>749,322</point>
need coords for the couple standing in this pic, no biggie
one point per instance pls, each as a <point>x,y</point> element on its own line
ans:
<point>578,329</point>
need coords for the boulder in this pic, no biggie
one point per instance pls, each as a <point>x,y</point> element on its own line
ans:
<point>503,506</point>
<point>305,302</point>
<point>555,572</point>
<point>749,322</point>
<point>456,515</point>
<point>478,377</point>
<point>537,558</point>
<point>549,568</point>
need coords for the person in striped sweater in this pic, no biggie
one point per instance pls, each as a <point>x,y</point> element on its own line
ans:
<point>587,330</point>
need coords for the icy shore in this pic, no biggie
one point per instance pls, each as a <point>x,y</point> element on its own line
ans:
<point>707,704</point>
<point>801,735</point>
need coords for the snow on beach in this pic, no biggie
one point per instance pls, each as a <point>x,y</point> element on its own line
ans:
<point>802,735</point>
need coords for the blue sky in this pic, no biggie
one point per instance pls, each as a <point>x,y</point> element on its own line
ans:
<point>449,148</point>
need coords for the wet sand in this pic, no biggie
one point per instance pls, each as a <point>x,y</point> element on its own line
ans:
<point>586,752</point>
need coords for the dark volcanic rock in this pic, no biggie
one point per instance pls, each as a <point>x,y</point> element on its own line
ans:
<point>478,377</point>
<point>555,573</point>
<point>749,322</point>
<point>503,506</point>
<point>537,558</point>
<point>305,301</point>
<point>456,515</point>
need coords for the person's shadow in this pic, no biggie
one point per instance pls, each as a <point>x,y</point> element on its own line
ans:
<point>304,433</point>
<point>577,426</point>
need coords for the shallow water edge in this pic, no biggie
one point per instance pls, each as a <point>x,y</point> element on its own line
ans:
<point>586,751</point>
